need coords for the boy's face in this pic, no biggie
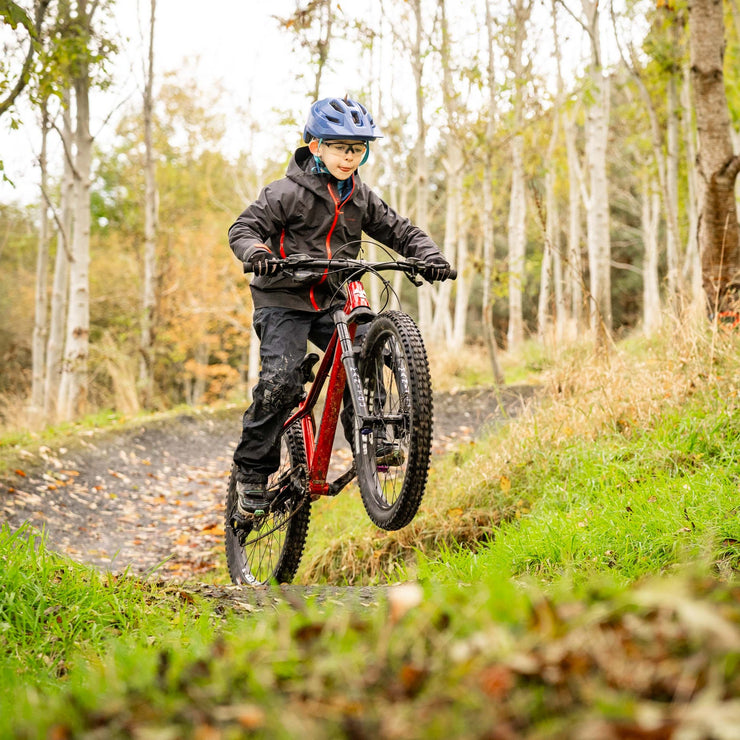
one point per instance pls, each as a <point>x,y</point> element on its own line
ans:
<point>341,157</point>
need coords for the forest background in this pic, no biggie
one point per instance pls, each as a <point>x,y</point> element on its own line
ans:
<point>553,150</point>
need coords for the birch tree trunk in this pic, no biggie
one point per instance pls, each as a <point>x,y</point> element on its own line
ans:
<point>651,315</point>
<point>462,291</point>
<point>692,263</point>
<point>73,390</point>
<point>517,233</point>
<point>552,228</point>
<point>574,268</point>
<point>453,163</point>
<point>716,165</point>
<point>597,207</point>
<point>146,364</point>
<point>422,175</point>
<point>517,244</point>
<point>62,261</point>
<point>666,163</point>
<point>675,288</point>
<point>551,225</point>
<point>487,215</point>
<point>40,324</point>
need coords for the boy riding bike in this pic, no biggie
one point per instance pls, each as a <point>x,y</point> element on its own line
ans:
<point>319,204</point>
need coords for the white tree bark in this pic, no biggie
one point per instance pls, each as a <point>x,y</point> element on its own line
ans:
<point>462,291</point>
<point>40,324</point>
<point>517,234</point>
<point>146,369</point>
<point>517,244</point>
<point>692,262</point>
<point>651,314</point>
<point>671,188</point>
<point>544,323</point>
<point>73,390</point>
<point>574,267</point>
<point>487,215</point>
<point>422,174</point>
<point>597,205</point>
<point>60,286</point>
<point>453,163</point>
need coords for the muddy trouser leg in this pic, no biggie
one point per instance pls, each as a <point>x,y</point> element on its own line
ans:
<point>283,335</point>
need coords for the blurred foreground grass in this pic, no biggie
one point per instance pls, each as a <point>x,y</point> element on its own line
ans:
<point>137,660</point>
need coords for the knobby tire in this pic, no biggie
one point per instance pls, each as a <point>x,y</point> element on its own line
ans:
<point>393,460</point>
<point>270,550</point>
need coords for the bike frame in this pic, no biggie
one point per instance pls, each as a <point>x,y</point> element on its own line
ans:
<point>337,365</point>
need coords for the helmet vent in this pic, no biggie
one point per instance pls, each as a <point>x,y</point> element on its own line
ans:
<point>356,118</point>
<point>334,104</point>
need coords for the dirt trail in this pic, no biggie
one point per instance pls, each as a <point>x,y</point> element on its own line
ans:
<point>132,499</point>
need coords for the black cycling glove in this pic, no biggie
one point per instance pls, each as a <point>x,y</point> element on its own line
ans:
<point>437,268</point>
<point>260,265</point>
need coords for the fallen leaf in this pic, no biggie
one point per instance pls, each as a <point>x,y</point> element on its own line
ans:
<point>402,598</point>
<point>496,681</point>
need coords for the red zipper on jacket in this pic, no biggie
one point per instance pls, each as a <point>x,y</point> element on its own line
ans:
<point>337,212</point>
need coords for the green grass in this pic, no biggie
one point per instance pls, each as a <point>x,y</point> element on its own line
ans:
<point>666,496</point>
<point>51,608</point>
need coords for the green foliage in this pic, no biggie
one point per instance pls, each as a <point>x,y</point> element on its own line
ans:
<point>52,610</point>
<point>13,14</point>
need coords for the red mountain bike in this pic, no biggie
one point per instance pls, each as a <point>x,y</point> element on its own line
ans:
<point>391,394</point>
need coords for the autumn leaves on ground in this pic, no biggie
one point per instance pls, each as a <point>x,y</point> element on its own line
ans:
<point>572,575</point>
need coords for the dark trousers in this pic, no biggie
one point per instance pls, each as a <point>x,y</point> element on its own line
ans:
<point>283,335</point>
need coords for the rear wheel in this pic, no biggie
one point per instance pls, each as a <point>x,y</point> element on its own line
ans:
<point>393,459</point>
<point>270,548</point>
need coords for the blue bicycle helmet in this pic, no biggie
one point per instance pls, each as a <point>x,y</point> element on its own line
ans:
<point>340,118</point>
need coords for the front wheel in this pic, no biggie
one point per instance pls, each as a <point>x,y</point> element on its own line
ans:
<point>393,458</point>
<point>270,548</point>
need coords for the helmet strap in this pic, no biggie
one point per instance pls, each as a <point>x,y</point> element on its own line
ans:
<point>366,155</point>
<point>320,166</point>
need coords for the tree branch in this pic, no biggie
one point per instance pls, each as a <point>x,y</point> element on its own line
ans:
<point>34,32</point>
<point>732,168</point>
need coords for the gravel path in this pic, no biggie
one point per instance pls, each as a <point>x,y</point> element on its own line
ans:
<point>135,498</point>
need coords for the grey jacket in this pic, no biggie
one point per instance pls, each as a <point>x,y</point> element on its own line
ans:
<point>302,213</point>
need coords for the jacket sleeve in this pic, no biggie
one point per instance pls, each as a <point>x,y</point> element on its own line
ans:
<point>382,223</point>
<point>260,223</point>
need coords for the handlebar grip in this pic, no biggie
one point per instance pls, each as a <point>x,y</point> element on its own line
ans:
<point>453,275</point>
<point>249,266</point>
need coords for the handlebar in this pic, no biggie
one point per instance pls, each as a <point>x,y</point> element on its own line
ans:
<point>411,266</point>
